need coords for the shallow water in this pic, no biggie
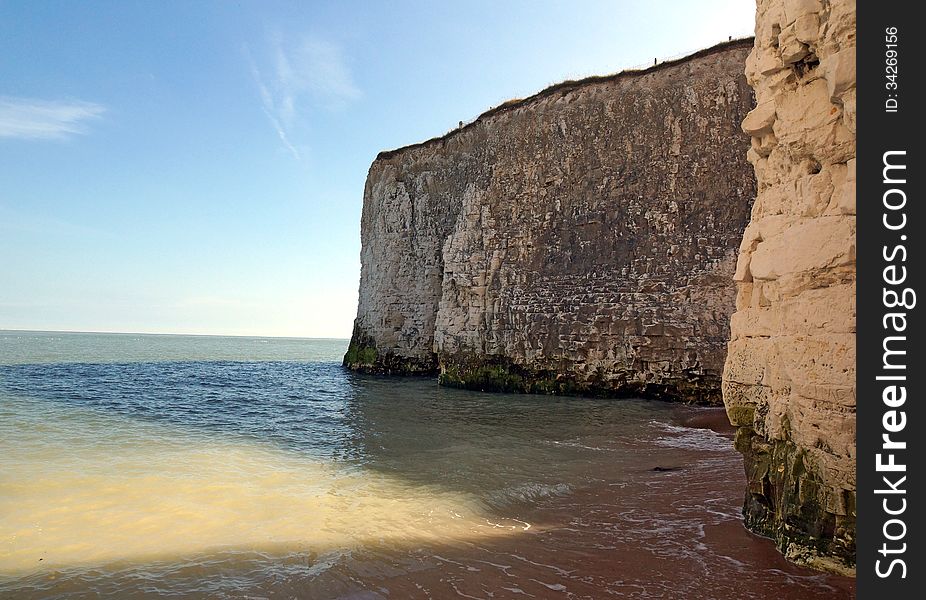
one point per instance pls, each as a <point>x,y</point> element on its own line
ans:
<point>135,466</point>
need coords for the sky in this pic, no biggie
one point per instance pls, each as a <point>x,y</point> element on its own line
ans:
<point>198,167</point>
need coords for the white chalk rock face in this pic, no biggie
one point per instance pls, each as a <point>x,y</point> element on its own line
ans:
<point>789,378</point>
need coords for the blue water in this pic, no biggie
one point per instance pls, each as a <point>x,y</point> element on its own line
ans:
<point>191,466</point>
<point>297,405</point>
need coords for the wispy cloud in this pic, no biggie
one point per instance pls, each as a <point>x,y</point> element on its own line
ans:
<point>310,73</point>
<point>33,119</point>
<point>273,113</point>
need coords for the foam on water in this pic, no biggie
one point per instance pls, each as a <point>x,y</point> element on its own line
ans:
<point>81,487</point>
<point>690,438</point>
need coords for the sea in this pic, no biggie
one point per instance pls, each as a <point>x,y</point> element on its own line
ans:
<point>159,466</point>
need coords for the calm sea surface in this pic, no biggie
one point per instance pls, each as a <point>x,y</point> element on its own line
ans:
<point>154,466</point>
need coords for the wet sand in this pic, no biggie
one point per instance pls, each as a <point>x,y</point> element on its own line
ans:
<point>714,419</point>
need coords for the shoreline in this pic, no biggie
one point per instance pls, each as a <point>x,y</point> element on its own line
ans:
<point>713,418</point>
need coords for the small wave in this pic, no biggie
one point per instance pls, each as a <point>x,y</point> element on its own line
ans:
<point>576,444</point>
<point>690,438</point>
<point>529,492</point>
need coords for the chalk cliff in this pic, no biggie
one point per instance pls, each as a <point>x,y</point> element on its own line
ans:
<point>789,379</point>
<point>582,240</point>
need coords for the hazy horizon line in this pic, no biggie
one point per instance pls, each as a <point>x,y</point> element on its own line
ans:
<point>283,337</point>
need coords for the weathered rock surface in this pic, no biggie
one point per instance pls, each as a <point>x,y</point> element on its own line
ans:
<point>582,240</point>
<point>789,378</point>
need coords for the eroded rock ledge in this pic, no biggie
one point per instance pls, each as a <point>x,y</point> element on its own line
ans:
<point>789,380</point>
<point>582,240</point>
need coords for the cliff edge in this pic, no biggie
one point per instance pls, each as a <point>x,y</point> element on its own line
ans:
<point>582,240</point>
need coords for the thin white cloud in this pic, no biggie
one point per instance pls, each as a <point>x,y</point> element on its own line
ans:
<point>318,67</point>
<point>270,108</point>
<point>311,73</point>
<point>33,119</point>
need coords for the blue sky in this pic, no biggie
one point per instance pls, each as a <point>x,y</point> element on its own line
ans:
<point>198,167</point>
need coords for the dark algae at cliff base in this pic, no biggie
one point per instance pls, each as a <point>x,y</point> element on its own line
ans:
<point>580,241</point>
